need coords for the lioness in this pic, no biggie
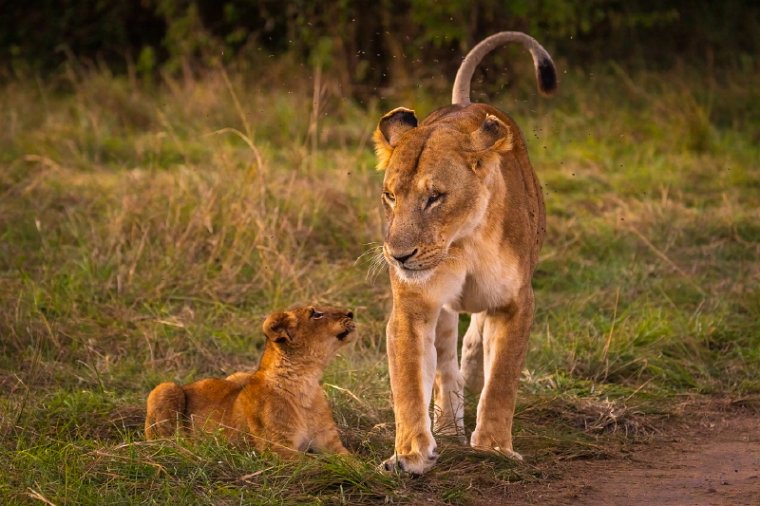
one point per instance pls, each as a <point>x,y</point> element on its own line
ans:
<point>465,221</point>
<point>281,406</point>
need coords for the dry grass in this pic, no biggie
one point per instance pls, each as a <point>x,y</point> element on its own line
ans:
<point>147,228</point>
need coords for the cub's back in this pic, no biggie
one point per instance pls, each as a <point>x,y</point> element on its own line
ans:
<point>210,402</point>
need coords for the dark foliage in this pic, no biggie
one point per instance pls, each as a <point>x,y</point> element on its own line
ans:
<point>369,44</point>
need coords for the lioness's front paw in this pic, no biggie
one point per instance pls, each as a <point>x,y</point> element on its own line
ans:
<point>414,464</point>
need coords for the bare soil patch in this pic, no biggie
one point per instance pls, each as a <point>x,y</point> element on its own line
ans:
<point>710,455</point>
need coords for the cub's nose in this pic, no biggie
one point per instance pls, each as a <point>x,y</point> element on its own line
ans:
<point>350,314</point>
<point>405,256</point>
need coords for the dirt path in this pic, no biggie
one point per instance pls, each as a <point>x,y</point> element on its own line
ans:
<point>711,458</point>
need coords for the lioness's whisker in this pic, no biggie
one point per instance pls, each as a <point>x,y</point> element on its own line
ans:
<point>376,264</point>
<point>373,250</point>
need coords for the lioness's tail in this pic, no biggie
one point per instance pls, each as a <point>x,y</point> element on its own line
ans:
<point>166,408</point>
<point>546,75</point>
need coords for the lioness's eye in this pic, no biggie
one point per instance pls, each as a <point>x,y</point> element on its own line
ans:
<point>435,197</point>
<point>389,198</point>
<point>316,315</point>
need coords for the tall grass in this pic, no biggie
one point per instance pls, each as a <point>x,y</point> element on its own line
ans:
<point>147,228</point>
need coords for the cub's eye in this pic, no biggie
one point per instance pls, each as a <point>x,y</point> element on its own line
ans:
<point>389,198</point>
<point>432,199</point>
<point>316,315</point>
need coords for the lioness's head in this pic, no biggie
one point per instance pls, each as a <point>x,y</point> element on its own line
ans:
<point>437,184</point>
<point>310,331</point>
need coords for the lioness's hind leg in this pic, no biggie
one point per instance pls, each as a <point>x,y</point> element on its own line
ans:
<point>472,354</point>
<point>166,406</point>
<point>505,345</point>
<point>448,417</point>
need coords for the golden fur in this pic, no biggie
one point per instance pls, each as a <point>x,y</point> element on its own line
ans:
<point>465,221</point>
<point>281,406</point>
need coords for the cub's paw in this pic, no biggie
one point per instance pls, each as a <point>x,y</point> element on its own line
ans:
<point>414,464</point>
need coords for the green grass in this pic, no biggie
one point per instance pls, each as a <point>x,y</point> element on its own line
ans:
<point>147,229</point>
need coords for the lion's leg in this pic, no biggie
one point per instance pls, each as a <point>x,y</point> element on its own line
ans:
<point>472,354</point>
<point>280,443</point>
<point>411,364</point>
<point>505,344</point>
<point>326,436</point>
<point>448,414</point>
<point>328,441</point>
<point>166,406</point>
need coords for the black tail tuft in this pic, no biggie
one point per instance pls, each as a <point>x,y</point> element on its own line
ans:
<point>547,76</point>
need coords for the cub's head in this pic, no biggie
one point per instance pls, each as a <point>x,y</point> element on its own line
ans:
<point>437,184</point>
<point>310,332</point>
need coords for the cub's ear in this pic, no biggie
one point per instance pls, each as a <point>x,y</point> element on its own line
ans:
<point>278,327</point>
<point>390,129</point>
<point>493,134</point>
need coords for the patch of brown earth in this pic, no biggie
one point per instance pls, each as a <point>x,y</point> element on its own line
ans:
<point>711,457</point>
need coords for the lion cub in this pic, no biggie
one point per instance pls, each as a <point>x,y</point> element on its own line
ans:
<point>281,406</point>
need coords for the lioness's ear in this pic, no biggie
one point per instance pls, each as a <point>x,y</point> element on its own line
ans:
<point>277,327</point>
<point>493,135</point>
<point>390,129</point>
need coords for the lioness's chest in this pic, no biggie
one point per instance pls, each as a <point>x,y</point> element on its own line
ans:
<point>491,284</point>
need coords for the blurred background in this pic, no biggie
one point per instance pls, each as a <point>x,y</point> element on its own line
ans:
<point>369,45</point>
<point>172,171</point>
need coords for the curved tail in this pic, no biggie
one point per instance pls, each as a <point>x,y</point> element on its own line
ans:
<point>546,74</point>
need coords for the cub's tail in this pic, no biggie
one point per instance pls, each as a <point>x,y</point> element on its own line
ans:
<point>546,74</point>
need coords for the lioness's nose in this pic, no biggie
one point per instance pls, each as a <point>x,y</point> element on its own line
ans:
<point>350,314</point>
<point>404,257</point>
